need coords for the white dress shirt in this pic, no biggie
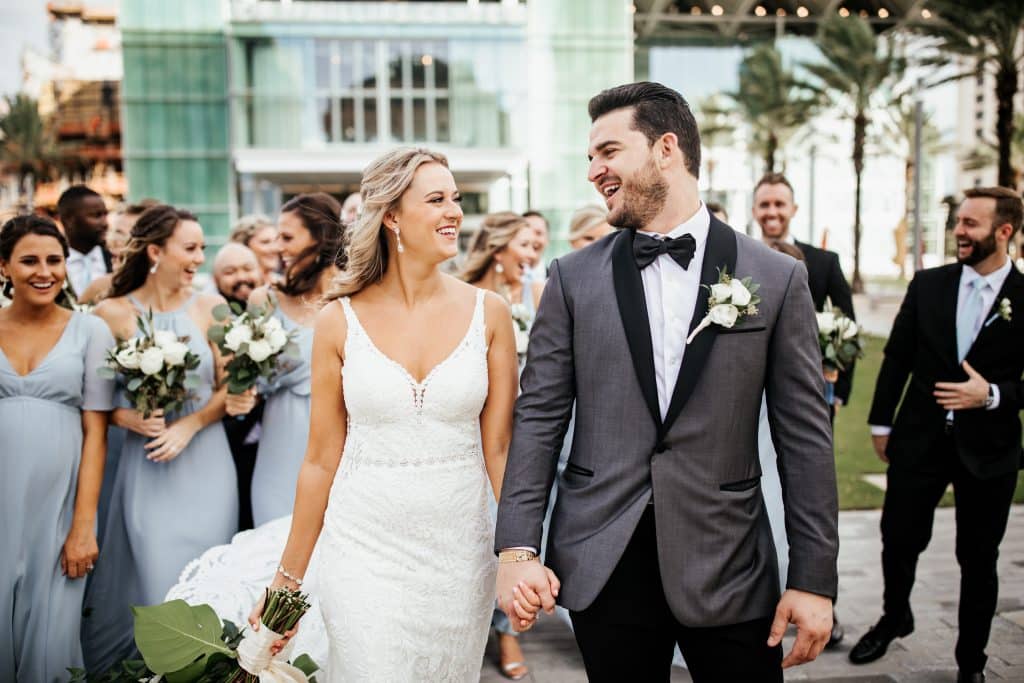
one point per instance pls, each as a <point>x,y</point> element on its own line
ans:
<point>988,293</point>
<point>671,295</point>
<point>84,268</point>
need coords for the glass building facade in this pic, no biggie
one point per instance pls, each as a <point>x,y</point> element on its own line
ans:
<point>230,107</point>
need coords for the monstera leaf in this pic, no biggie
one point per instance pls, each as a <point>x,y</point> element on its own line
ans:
<point>175,635</point>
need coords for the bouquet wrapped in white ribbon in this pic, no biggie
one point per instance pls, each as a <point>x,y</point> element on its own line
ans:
<point>154,367</point>
<point>253,339</point>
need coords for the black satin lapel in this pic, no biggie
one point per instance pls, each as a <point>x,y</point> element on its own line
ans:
<point>629,292</point>
<point>719,254</point>
<point>946,320</point>
<point>1012,289</point>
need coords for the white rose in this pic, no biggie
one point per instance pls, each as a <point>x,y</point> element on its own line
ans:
<point>259,350</point>
<point>721,292</point>
<point>826,322</point>
<point>851,330</point>
<point>128,357</point>
<point>164,338</point>
<point>522,341</point>
<point>278,339</point>
<point>236,336</point>
<point>151,361</point>
<point>740,294</point>
<point>724,315</point>
<point>270,325</point>
<point>174,353</point>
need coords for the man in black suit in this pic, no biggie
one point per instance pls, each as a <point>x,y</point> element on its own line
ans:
<point>83,214</point>
<point>236,272</point>
<point>958,340</point>
<point>774,208</point>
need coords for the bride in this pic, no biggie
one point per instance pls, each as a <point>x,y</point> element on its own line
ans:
<point>413,381</point>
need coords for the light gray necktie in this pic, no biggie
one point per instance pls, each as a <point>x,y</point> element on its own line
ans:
<point>970,313</point>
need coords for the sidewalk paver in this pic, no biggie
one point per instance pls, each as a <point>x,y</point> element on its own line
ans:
<point>926,656</point>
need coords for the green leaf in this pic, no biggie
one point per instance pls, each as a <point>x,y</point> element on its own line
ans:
<point>135,383</point>
<point>221,312</point>
<point>105,372</point>
<point>175,634</point>
<point>172,375</point>
<point>216,334</point>
<point>306,665</point>
<point>236,308</point>
<point>190,673</point>
<point>239,387</point>
<point>192,382</point>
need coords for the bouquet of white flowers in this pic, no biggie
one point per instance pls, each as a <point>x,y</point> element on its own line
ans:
<point>839,337</point>
<point>522,319</point>
<point>154,368</point>
<point>254,339</point>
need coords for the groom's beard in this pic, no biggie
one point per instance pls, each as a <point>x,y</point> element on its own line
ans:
<point>643,198</point>
<point>980,250</point>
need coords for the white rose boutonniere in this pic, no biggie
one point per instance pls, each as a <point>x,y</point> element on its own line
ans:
<point>1005,310</point>
<point>731,300</point>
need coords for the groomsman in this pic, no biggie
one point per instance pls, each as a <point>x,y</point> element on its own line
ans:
<point>774,208</point>
<point>84,218</point>
<point>236,272</point>
<point>958,340</point>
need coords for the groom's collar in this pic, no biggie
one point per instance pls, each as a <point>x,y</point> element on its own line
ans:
<point>697,225</point>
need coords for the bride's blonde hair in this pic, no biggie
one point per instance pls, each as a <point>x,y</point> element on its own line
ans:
<point>385,180</point>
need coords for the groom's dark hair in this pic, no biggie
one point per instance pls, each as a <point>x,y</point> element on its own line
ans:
<point>657,110</point>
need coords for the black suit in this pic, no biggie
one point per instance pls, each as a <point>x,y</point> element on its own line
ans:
<point>826,281</point>
<point>979,453</point>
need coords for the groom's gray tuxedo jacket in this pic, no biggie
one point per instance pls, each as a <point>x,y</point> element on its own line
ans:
<point>591,344</point>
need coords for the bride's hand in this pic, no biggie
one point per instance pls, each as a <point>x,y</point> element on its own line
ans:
<point>255,622</point>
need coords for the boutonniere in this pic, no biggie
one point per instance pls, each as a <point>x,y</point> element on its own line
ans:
<point>731,300</point>
<point>1005,312</point>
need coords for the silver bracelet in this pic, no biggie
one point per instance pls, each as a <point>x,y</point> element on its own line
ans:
<point>281,570</point>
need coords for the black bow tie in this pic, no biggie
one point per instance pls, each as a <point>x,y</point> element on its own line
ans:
<point>646,249</point>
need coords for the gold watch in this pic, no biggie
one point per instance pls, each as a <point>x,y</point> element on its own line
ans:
<point>516,556</point>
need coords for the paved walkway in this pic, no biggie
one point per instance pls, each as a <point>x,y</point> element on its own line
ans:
<point>924,657</point>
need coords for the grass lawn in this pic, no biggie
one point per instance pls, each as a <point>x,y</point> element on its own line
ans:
<point>854,455</point>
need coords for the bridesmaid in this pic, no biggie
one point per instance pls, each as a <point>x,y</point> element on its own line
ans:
<point>174,494</point>
<point>53,418</point>
<point>502,252</point>
<point>309,241</point>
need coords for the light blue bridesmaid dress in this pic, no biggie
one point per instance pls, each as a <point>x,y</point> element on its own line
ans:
<point>40,451</point>
<point>285,429</point>
<point>162,514</point>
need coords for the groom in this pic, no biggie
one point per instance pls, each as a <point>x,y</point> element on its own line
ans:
<point>659,535</point>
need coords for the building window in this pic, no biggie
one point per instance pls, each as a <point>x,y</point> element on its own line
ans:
<point>978,133</point>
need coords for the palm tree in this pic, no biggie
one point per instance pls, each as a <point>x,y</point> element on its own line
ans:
<point>986,33</point>
<point>772,102</point>
<point>717,127</point>
<point>26,145</point>
<point>858,74</point>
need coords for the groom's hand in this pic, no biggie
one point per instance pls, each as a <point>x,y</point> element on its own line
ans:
<point>812,616</point>
<point>524,588</point>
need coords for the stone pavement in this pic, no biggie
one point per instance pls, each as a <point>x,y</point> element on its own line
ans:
<point>926,656</point>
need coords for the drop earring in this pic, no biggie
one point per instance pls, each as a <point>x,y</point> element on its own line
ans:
<point>498,268</point>
<point>398,236</point>
<point>156,264</point>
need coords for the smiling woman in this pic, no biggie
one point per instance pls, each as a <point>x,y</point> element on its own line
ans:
<point>52,477</point>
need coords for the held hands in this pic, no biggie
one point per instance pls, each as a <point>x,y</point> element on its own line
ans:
<point>240,404</point>
<point>169,445</point>
<point>79,552</point>
<point>524,588</point>
<point>962,395</point>
<point>812,616</point>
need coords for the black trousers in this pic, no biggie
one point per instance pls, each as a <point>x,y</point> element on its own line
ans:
<point>629,633</point>
<point>982,510</point>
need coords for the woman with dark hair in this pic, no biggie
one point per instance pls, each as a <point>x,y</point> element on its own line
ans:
<point>53,418</point>
<point>174,494</point>
<point>310,243</point>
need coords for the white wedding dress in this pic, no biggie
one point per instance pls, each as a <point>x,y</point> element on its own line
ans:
<point>404,570</point>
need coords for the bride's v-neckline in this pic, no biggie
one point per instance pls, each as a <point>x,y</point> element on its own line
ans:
<point>419,384</point>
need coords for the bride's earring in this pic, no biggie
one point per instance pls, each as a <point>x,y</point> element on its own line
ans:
<point>156,264</point>
<point>398,236</point>
<point>498,268</point>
